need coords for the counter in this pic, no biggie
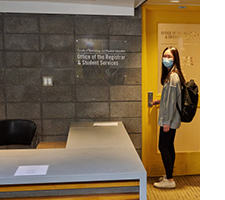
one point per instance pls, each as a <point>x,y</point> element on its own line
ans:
<point>92,153</point>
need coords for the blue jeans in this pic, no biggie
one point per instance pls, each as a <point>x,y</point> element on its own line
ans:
<point>166,147</point>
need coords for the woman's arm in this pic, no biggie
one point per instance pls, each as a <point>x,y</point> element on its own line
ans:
<point>166,128</point>
<point>171,99</point>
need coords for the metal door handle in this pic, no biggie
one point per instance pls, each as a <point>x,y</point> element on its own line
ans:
<point>150,99</point>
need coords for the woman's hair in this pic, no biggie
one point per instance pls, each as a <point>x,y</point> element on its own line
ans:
<point>176,67</point>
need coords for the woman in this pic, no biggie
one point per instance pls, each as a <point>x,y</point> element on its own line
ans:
<point>169,118</point>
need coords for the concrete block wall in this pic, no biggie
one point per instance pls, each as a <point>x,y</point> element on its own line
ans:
<point>33,46</point>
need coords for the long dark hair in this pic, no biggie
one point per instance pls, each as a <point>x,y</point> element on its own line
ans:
<point>176,67</point>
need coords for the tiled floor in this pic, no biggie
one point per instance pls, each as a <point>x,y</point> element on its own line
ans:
<point>188,188</point>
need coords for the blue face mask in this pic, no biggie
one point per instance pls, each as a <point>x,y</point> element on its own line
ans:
<point>167,62</point>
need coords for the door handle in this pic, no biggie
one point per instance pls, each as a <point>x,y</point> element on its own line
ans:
<point>150,99</point>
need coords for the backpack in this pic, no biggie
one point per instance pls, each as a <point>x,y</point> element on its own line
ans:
<point>189,101</point>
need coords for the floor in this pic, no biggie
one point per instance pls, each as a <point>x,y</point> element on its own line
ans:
<point>188,188</point>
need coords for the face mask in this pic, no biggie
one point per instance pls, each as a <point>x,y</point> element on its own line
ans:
<point>167,62</point>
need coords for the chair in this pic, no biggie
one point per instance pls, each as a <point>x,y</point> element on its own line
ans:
<point>17,131</point>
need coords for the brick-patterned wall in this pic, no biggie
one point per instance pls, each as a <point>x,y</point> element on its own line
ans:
<point>33,46</point>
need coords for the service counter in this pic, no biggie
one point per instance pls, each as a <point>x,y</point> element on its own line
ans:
<point>93,154</point>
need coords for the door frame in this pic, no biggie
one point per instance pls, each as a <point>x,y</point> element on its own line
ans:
<point>151,159</point>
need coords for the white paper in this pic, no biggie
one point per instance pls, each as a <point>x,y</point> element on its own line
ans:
<point>31,170</point>
<point>105,124</point>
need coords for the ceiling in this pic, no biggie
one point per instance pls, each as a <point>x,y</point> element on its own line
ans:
<point>88,7</point>
<point>83,7</point>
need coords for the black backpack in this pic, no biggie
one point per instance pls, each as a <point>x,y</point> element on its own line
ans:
<point>189,101</point>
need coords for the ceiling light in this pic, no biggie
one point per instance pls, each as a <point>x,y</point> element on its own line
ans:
<point>174,1</point>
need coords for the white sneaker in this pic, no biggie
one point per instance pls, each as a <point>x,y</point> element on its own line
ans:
<point>162,177</point>
<point>165,184</point>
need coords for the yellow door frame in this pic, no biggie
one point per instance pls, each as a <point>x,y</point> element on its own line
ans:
<point>151,159</point>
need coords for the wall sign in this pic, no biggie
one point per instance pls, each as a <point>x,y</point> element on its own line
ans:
<point>89,57</point>
<point>95,61</point>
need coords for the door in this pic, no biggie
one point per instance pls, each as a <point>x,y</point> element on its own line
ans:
<point>187,142</point>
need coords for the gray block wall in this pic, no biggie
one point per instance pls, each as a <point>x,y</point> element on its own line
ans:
<point>33,46</point>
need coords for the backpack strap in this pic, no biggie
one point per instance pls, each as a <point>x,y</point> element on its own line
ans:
<point>182,91</point>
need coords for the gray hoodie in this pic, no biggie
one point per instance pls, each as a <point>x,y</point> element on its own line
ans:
<point>171,94</point>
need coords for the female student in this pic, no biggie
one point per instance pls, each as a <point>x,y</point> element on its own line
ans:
<point>169,118</point>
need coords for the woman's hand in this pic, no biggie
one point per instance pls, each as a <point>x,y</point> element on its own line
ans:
<point>166,128</point>
<point>156,102</point>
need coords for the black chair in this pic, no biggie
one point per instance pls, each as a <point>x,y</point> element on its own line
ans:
<point>17,132</point>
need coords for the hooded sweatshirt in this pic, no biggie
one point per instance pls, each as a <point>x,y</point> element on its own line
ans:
<point>171,94</point>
